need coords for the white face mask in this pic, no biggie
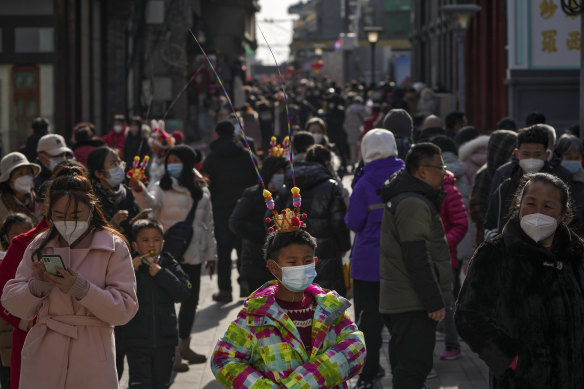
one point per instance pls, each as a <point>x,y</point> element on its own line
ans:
<point>317,138</point>
<point>118,129</point>
<point>538,226</point>
<point>116,176</point>
<point>298,278</point>
<point>531,165</point>
<point>71,230</point>
<point>53,162</point>
<point>23,184</point>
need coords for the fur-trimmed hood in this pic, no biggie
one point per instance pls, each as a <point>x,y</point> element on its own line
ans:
<point>468,148</point>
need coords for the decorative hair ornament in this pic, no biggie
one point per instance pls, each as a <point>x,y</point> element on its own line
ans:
<point>276,150</point>
<point>287,220</point>
<point>159,137</point>
<point>138,170</point>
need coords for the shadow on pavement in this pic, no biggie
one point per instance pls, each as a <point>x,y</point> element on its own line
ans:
<point>217,312</point>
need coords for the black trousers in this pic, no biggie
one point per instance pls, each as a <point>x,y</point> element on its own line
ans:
<point>188,307</point>
<point>120,354</point>
<point>4,376</point>
<point>411,347</point>
<point>226,242</point>
<point>149,367</point>
<point>369,321</point>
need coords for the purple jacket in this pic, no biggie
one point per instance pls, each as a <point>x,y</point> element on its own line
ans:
<point>365,214</point>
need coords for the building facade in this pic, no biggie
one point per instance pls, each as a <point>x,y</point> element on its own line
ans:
<point>86,60</point>
<point>336,27</point>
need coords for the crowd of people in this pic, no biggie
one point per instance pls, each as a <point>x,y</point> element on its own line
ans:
<point>101,237</point>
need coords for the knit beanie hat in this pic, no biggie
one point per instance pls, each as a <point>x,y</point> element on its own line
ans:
<point>185,153</point>
<point>399,122</point>
<point>378,143</point>
<point>466,134</point>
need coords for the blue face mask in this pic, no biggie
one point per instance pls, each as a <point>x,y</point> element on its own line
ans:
<point>116,176</point>
<point>298,278</point>
<point>572,166</point>
<point>174,169</point>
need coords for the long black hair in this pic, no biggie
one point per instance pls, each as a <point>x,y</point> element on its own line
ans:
<point>78,188</point>
<point>187,177</point>
<point>96,160</point>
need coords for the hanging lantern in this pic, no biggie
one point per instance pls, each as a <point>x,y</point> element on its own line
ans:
<point>317,66</point>
<point>290,70</point>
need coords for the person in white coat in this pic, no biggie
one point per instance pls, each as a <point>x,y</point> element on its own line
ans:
<point>171,199</point>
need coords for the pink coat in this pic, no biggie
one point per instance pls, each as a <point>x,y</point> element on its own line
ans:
<point>453,214</point>
<point>72,344</point>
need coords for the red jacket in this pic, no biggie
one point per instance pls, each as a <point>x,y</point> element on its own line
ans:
<point>115,140</point>
<point>8,268</point>
<point>369,123</point>
<point>453,214</point>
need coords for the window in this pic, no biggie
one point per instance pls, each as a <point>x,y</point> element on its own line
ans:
<point>26,7</point>
<point>34,40</point>
<point>25,102</point>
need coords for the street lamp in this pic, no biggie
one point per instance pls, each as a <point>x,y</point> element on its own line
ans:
<point>459,17</point>
<point>372,38</point>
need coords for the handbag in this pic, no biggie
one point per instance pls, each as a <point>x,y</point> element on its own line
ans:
<point>178,237</point>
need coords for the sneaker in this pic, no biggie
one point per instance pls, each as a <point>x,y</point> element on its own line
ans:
<point>433,374</point>
<point>363,384</point>
<point>380,372</point>
<point>451,353</point>
<point>223,296</point>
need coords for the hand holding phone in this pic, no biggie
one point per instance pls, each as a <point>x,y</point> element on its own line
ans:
<point>51,263</point>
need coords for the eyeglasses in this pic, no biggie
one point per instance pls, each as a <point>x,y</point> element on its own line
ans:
<point>443,167</point>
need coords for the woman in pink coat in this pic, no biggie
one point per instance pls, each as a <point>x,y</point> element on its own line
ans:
<point>453,214</point>
<point>71,344</point>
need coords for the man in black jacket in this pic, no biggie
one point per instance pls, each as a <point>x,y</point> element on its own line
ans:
<point>229,171</point>
<point>532,155</point>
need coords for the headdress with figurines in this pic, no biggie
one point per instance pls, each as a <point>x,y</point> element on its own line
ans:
<point>286,220</point>
<point>159,137</point>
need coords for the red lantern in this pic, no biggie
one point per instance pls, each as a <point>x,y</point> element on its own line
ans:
<point>317,66</point>
<point>289,70</point>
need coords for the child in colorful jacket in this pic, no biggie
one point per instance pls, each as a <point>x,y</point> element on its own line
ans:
<point>290,332</point>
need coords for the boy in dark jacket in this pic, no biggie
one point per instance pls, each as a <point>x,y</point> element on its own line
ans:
<point>150,338</point>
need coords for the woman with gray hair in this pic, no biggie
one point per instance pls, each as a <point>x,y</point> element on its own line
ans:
<point>571,151</point>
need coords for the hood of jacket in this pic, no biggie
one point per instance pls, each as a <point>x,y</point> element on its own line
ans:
<point>470,147</point>
<point>499,149</point>
<point>308,175</point>
<point>453,164</point>
<point>262,302</point>
<point>228,148</point>
<point>378,171</point>
<point>403,182</point>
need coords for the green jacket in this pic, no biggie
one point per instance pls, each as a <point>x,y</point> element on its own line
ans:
<point>415,268</point>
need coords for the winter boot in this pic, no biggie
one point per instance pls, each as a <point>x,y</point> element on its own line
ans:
<point>189,355</point>
<point>178,364</point>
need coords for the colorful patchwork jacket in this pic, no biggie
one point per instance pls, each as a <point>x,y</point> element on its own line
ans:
<point>262,347</point>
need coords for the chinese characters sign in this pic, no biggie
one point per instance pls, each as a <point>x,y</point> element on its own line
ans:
<point>554,37</point>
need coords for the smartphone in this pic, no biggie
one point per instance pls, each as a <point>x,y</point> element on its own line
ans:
<point>51,262</point>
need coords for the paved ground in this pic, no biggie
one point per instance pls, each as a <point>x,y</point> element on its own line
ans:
<point>212,320</point>
<point>468,372</point>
